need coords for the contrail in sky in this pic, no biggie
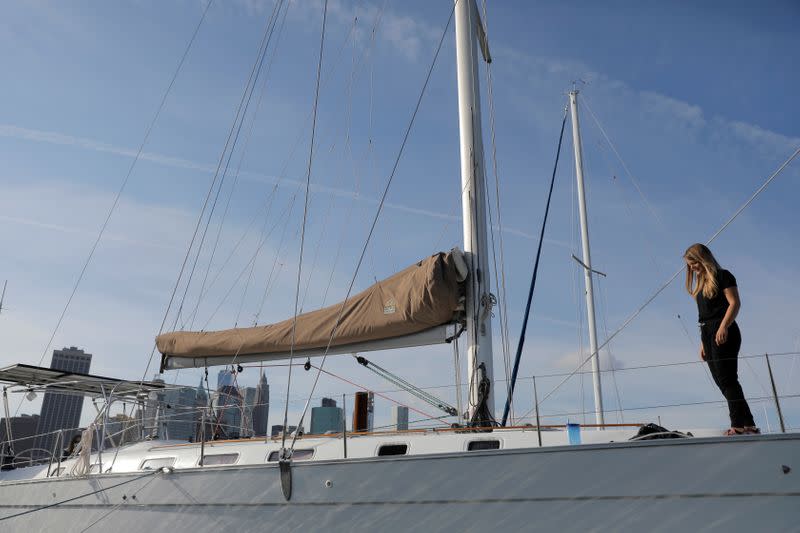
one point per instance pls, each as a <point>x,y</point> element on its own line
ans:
<point>40,136</point>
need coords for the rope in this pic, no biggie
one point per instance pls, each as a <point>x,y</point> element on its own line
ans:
<point>81,467</point>
<point>126,179</point>
<point>377,215</point>
<point>521,342</point>
<point>675,275</point>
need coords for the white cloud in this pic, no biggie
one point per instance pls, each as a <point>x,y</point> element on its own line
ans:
<point>658,104</point>
<point>761,137</point>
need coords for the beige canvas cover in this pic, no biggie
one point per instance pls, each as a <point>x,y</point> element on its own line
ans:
<point>424,295</point>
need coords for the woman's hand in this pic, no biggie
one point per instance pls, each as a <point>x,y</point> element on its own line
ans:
<point>702,352</point>
<point>722,335</point>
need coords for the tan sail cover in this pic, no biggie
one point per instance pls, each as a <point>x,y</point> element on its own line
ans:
<point>423,296</point>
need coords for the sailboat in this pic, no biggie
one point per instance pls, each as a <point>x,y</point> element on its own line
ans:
<point>475,477</point>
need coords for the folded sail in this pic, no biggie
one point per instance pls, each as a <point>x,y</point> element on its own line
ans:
<point>410,308</point>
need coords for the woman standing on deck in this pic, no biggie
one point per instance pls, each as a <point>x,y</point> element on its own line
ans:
<point>717,297</point>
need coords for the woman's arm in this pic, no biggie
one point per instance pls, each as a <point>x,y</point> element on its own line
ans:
<point>734,303</point>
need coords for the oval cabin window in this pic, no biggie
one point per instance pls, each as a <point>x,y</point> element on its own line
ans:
<point>220,459</point>
<point>155,464</point>
<point>393,449</point>
<point>483,445</point>
<point>297,455</point>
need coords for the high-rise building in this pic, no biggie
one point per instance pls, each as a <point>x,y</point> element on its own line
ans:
<point>248,403</point>
<point>61,411</point>
<point>23,429</point>
<point>326,418</point>
<point>201,405</point>
<point>121,429</point>
<point>328,402</point>
<point>153,422</point>
<point>400,417</point>
<point>228,406</point>
<point>180,413</point>
<point>225,378</point>
<point>261,408</point>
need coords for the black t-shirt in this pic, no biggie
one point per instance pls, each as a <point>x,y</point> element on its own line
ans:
<point>710,309</point>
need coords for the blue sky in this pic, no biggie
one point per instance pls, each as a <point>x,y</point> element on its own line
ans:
<point>698,100</point>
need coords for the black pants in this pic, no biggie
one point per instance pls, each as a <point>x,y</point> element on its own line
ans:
<point>723,362</point>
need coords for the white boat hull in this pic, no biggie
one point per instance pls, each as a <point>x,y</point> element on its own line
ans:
<point>701,484</point>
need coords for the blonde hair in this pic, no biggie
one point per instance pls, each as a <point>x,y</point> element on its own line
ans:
<point>706,279</point>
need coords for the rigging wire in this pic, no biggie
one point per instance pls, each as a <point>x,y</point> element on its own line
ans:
<point>604,314</point>
<point>270,280</point>
<point>501,283</point>
<point>253,263</point>
<point>757,399</point>
<point>232,139</point>
<point>377,213</point>
<point>266,210</point>
<point>650,251</point>
<point>356,67</point>
<point>244,151</point>
<point>635,182</point>
<point>303,228</point>
<point>252,260</point>
<point>128,175</point>
<point>407,386</point>
<point>675,275</point>
<point>521,343</point>
<point>320,369</point>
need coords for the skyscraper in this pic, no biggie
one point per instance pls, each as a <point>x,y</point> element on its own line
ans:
<point>121,429</point>
<point>400,417</point>
<point>248,403</point>
<point>180,413</point>
<point>228,404</point>
<point>261,408</point>
<point>23,429</point>
<point>326,418</point>
<point>153,422</point>
<point>61,411</point>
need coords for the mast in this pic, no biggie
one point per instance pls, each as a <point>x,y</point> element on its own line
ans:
<point>587,259</point>
<point>478,296</point>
